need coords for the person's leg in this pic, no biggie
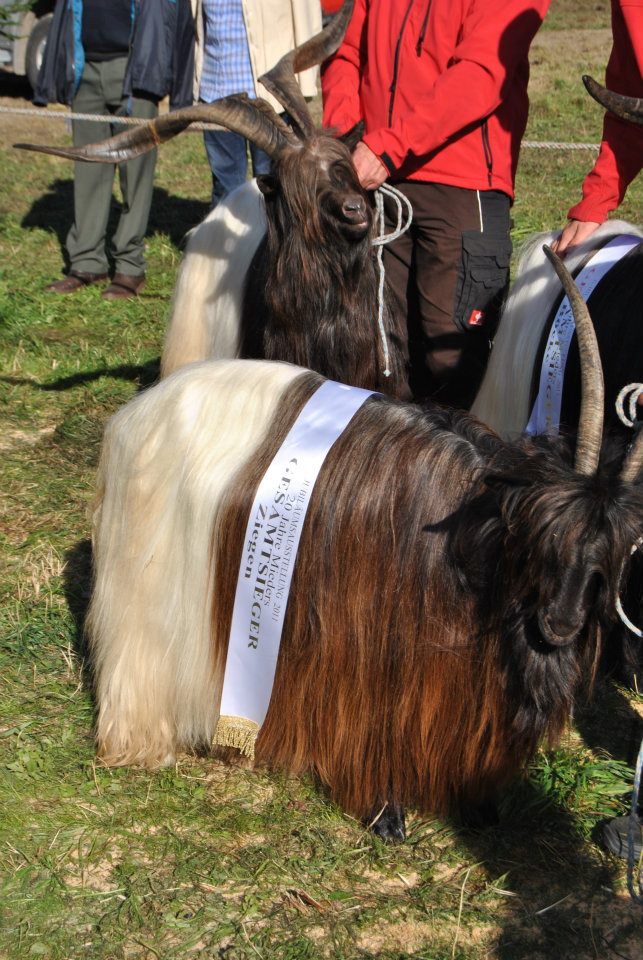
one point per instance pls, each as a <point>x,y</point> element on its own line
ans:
<point>92,181</point>
<point>261,162</point>
<point>136,182</point>
<point>228,157</point>
<point>458,272</point>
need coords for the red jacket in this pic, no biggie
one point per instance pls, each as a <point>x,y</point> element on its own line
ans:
<point>440,84</point>
<point>621,154</point>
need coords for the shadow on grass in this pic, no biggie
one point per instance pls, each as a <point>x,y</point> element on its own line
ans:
<point>143,374</point>
<point>77,584</point>
<point>170,216</point>
<point>610,724</point>
<point>558,887</point>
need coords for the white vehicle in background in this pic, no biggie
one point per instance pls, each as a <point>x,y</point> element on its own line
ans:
<point>24,36</point>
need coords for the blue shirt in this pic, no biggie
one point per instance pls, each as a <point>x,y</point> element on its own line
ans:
<point>226,57</point>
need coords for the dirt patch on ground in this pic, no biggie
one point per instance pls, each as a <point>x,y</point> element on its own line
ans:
<point>13,439</point>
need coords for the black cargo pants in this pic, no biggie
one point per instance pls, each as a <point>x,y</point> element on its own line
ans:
<point>447,276</point>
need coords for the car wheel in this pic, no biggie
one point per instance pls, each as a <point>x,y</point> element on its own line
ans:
<point>36,47</point>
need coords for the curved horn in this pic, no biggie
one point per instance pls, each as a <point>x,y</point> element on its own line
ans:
<point>590,423</point>
<point>634,460</point>
<point>628,108</point>
<point>280,81</point>
<point>260,124</point>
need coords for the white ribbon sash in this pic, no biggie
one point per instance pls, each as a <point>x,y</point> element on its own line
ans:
<point>270,549</point>
<point>545,416</point>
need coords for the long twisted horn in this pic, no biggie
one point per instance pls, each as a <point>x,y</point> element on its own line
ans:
<point>258,123</point>
<point>628,108</point>
<point>590,423</point>
<point>280,80</point>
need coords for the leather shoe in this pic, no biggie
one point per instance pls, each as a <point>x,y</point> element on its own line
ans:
<point>75,281</point>
<point>615,837</point>
<point>124,287</point>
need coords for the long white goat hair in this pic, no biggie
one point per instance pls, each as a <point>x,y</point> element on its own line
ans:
<point>205,316</point>
<point>503,401</point>
<point>158,496</point>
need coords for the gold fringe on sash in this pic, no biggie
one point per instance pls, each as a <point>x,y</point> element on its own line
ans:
<point>237,732</point>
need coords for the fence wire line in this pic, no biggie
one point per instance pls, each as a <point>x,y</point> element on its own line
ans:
<point>135,121</point>
<point>95,117</point>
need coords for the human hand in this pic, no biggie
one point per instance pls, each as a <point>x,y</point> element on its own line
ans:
<point>574,233</point>
<point>371,172</point>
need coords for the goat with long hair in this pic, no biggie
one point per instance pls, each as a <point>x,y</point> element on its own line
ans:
<point>284,268</point>
<point>448,589</point>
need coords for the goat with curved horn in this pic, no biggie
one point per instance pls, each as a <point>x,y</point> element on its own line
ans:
<point>627,108</point>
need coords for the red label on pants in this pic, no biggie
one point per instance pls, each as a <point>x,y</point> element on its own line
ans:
<point>476,318</point>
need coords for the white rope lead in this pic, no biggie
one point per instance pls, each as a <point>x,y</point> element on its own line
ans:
<point>619,606</point>
<point>630,394</point>
<point>634,390</point>
<point>398,198</point>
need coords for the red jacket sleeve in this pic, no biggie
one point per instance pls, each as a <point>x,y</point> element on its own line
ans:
<point>621,154</point>
<point>495,39</point>
<point>340,75</point>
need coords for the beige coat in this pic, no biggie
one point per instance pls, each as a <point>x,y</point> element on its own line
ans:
<point>274,27</point>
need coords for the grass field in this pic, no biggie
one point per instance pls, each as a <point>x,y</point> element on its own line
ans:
<point>203,860</point>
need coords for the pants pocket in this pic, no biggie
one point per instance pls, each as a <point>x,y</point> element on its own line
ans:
<point>483,278</point>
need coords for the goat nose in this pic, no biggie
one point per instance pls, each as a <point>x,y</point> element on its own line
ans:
<point>559,632</point>
<point>354,209</point>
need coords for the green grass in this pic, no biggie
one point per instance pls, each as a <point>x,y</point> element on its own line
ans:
<point>205,860</point>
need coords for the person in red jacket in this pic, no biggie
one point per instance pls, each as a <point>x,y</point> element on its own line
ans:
<point>441,87</point>
<point>620,157</point>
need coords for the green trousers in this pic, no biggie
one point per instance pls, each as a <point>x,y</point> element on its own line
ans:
<point>101,92</point>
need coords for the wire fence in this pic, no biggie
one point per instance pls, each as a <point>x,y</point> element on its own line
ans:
<point>67,116</point>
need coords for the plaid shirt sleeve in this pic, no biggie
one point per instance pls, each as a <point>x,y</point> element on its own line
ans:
<point>226,57</point>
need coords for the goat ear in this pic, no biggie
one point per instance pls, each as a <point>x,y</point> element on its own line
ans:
<point>500,481</point>
<point>267,185</point>
<point>353,136</point>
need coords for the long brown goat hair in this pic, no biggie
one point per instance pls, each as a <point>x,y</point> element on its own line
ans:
<point>311,292</point>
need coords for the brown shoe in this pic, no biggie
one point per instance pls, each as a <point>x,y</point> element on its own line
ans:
<point>124,287</point>
<point>75,281</point>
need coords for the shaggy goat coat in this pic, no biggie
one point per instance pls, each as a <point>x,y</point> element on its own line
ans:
<point>288,278</point>
<point>508,391</point>
<point>410,668</point>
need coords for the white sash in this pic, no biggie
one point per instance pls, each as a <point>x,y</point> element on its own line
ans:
<point>545,416</point>
<point>267,562</point>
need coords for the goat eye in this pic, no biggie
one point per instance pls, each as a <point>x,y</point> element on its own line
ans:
<point>339,176</point>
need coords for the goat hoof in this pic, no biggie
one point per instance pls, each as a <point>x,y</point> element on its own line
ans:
<point>390,824</point>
